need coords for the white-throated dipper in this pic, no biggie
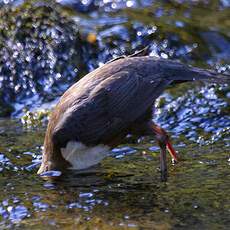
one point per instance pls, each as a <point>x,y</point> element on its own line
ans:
<point>97,112</point>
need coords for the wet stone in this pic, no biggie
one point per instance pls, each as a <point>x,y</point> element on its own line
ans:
<point>46,48</point>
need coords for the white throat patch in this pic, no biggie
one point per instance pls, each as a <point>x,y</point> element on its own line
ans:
<point>81,156</point>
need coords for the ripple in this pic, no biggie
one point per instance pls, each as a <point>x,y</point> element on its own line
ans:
<point>51,173</point>
<point>16,214</point>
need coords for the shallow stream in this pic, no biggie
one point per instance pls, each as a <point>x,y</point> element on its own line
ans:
<point>124,191</point>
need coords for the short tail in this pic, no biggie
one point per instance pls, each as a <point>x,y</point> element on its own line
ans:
<point>178,72</point>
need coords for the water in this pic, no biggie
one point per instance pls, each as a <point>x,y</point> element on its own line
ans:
<point>124,191</point>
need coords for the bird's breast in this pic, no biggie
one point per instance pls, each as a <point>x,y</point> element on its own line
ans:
<point>81,156</point>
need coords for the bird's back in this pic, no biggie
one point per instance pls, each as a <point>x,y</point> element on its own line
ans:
<point>107,100</point>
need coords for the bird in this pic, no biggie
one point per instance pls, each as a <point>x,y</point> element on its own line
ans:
<point>97,112</point>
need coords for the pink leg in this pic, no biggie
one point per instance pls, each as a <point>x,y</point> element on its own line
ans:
<point>164,143</point>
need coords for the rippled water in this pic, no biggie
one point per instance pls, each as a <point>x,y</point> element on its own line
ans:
<point>124,191</point>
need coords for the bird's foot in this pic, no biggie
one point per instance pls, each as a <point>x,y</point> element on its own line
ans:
<point>164,143</point>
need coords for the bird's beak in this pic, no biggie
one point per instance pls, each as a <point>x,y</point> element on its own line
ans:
<point>171,151</point>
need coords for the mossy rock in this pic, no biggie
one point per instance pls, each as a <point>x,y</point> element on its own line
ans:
<point>41,53</point>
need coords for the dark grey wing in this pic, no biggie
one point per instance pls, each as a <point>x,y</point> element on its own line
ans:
<point>110,108</point>
<point>133,94</point>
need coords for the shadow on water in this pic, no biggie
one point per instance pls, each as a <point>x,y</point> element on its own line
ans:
<point>124,191</point>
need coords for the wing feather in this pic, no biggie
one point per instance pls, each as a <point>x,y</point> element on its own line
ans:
<point>110,108</point>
